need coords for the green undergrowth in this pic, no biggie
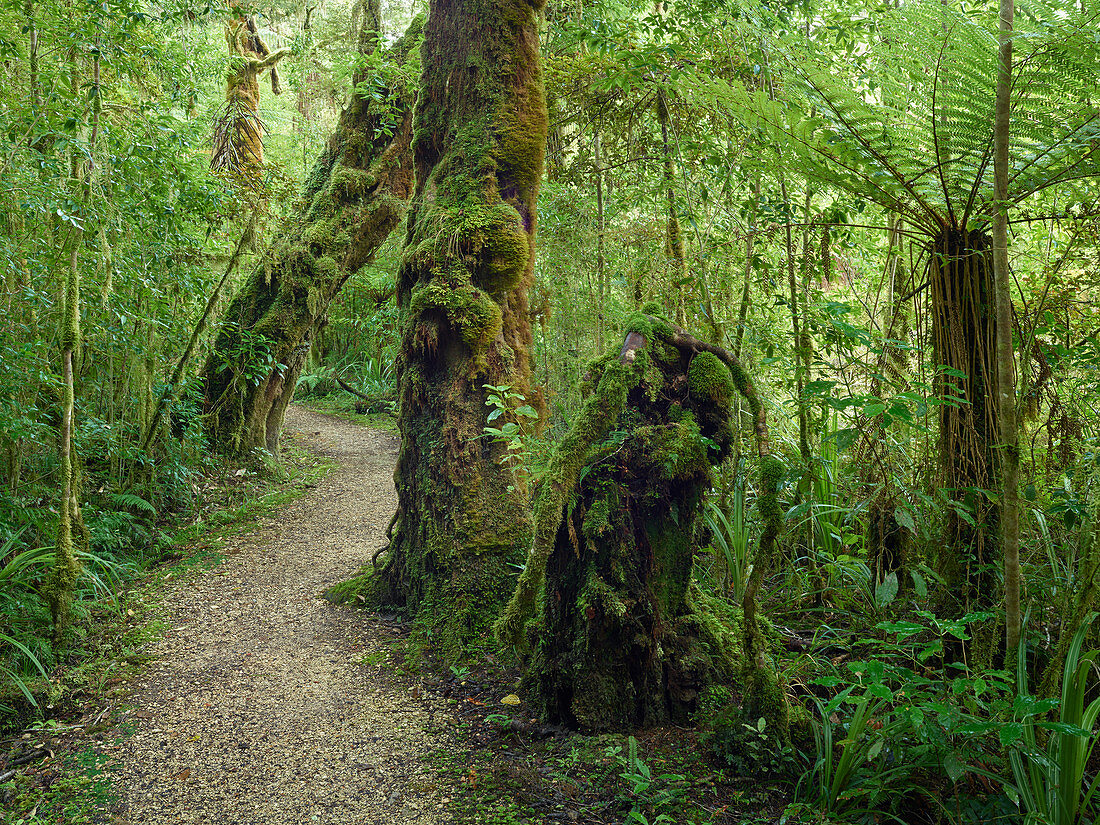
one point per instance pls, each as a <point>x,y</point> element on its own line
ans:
<point>343,405</point>
<point>114,640</point>
<point>503,768</point>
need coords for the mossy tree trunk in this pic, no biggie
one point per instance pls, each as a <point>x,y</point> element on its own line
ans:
<point>621,638</point>
<point>238,131</point>
<point>462,289</point>
<point>964,335</point>
<point>355,196</point>
<point>72,535</point>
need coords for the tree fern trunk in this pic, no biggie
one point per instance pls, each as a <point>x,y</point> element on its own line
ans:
<point>964,334</point>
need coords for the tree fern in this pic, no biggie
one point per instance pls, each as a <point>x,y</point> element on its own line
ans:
<point>909,126</point>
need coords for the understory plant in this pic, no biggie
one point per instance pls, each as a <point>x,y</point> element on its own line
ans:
<point>908,728</point>
<point>729,534</point>
<point>1051,783</point>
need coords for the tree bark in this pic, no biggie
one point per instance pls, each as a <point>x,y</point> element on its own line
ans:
<point>963,336</point>
<point>355,196</point>
<point>1006,396</point>
<point>468,265</point>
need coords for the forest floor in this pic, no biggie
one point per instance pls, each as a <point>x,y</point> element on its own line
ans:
<point>257,702</point>
<point>260,705</point>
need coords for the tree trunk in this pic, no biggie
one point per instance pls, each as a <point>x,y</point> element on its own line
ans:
<point>71,532</point>
<point>1006,397</point>
<point>963,335</point>
<point>601,235</point>
<point>355,196</point>
<point>622,639</point>
<point>238,131</point>
<point>674,239</point>
<point>462,519</point>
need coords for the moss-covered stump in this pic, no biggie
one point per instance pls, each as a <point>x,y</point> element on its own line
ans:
<point>462,289</point>
<point>355,196</point>
<point>622,639</point>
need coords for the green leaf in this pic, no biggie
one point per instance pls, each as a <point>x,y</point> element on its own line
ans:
<point>1065,728</point>
<point>1010,733</point>
<point>904,519</point>
<point>919,585</point>
<point>887,591</point>
<point>953,767</point>
<point>875,749</point>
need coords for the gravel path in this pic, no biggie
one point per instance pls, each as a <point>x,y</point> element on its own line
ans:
<point>260,708</point>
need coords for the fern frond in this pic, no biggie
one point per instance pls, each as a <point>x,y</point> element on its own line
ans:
<point>911,128</point>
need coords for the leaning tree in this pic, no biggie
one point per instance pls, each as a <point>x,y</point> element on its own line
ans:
<point>480,135</point>
<point>355,196</point>
<point>921,146</point>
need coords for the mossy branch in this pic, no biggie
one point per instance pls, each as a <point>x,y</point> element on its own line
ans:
<point>592,425</point>
<point>270,60</point>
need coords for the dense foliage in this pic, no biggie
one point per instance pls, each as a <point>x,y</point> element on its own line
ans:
<point>807,187</point>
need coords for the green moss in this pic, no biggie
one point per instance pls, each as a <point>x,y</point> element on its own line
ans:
<point>709,378</point>
<point>348,183</point>
<point>674,451</point>
<point>359,590</point>
<point>772,473</point>
<point>320,233</point>
<point>506,250</point>
<point>640,323</point>
<point>744,387</point>
<point>597,519</point>
<point>470,310</point>
<point>599,595</point>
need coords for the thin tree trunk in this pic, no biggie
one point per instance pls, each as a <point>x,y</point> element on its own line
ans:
<point>675,236</point>
<point>1009,443</point>
<point>62,578</point>
<point>196,333</point>
<point>601,260</point>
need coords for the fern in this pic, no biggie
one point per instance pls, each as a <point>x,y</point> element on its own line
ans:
<point>130,501</point>
<point>911,129</point>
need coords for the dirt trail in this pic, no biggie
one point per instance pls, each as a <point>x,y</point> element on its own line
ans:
<point>259,709</point>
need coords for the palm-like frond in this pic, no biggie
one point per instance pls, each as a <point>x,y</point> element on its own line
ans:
<point>910,125</point>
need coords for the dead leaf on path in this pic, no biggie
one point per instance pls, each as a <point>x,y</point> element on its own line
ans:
<point>186,772</point>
